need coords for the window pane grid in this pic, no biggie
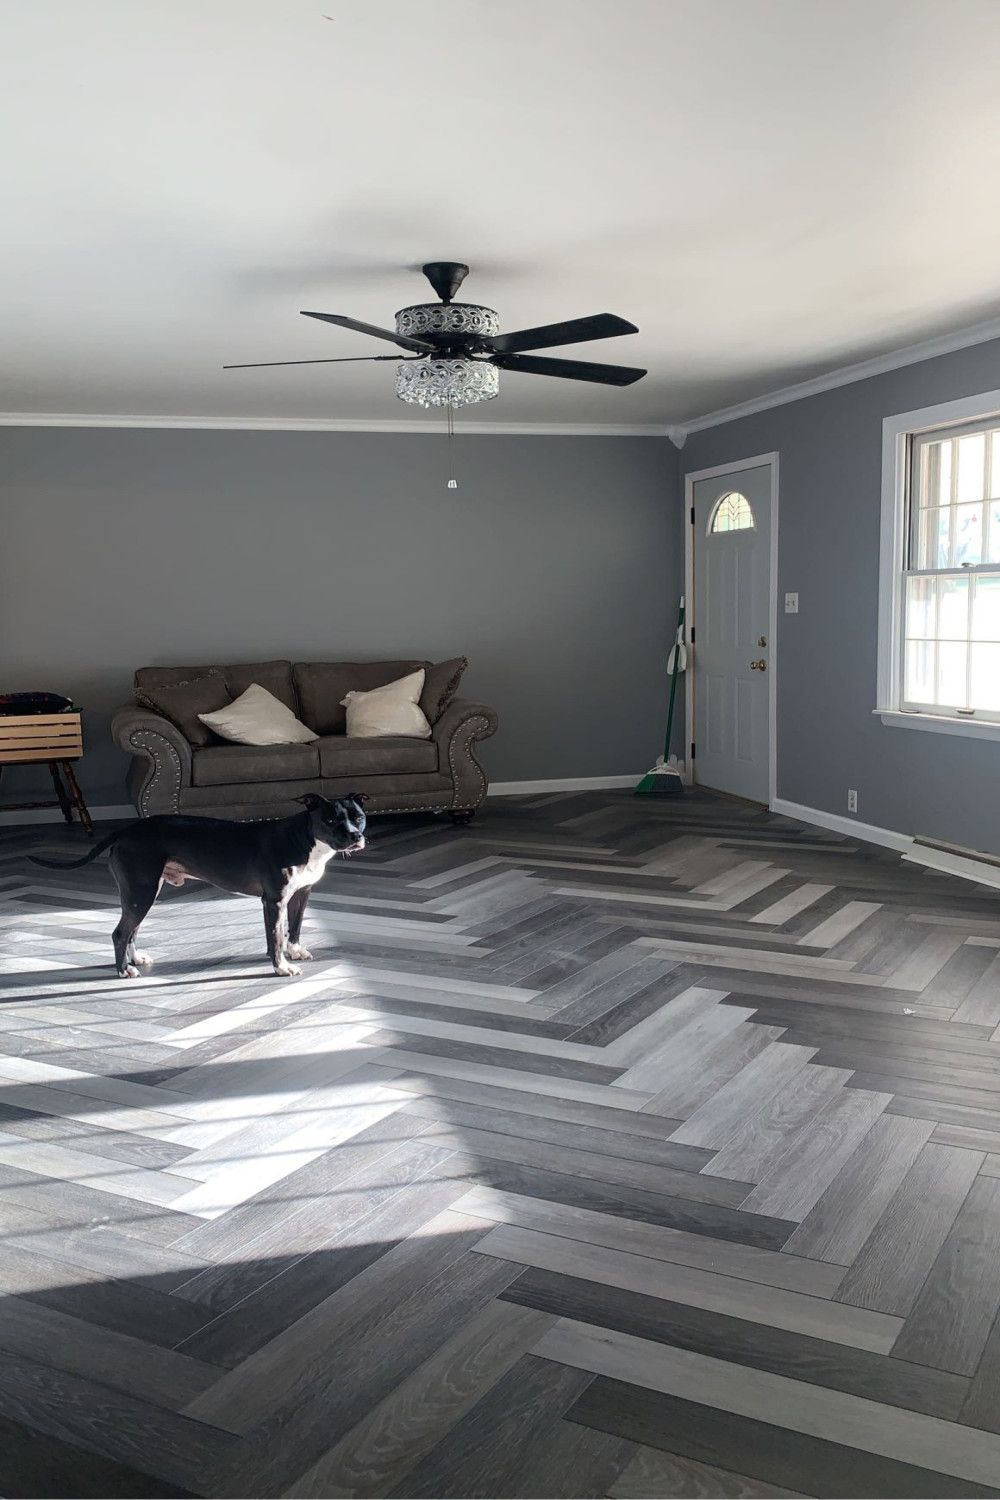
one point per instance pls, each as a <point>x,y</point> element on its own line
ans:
<point>951,601</point>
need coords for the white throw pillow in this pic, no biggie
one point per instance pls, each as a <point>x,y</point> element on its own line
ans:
<point>257,717</point>
<point>393,709</point>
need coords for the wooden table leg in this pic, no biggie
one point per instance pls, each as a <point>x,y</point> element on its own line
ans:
<point>64,802</point>
<point>77,796</point>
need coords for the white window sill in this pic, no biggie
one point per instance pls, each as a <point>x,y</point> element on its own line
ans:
<point>972,729</point>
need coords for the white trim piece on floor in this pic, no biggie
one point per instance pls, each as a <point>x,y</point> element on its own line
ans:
<point>979,870</point>
<point>564,784</point>
<point>867,833</point>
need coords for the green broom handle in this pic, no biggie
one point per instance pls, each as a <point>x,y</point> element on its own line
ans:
<point>673,687</point>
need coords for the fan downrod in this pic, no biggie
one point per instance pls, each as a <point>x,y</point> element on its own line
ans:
<point>445,276</point>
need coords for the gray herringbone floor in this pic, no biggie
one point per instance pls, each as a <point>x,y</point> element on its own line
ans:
<point>607,1148</point>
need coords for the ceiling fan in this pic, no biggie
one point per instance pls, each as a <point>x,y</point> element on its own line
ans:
<point>456,350</point>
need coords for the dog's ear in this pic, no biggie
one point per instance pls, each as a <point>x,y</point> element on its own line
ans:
<point>311,800</point>
<point>360,797</point>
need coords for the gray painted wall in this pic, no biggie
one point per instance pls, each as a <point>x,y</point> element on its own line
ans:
<point>554,567</point>
<point>828,550</point>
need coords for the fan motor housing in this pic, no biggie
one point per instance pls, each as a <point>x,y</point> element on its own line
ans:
<point>455,327</point>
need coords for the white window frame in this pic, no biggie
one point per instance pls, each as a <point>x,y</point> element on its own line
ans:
<point>897,432</point>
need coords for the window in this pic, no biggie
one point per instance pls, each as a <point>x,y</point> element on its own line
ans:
<point>939,614</point>
<point>733,513</point>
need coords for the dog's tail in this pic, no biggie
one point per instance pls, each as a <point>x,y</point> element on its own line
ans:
<point>74,864</point>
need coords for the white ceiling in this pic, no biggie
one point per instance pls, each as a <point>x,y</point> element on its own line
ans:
<point>770,189</point>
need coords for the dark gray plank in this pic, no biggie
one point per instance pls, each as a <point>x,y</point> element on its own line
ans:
<point>897,1257</point>
<point>795,1355</point>
<point>951,1318</point>
<point>775,1455</point>
<point>35,1468</point>
<point>484,1453</point>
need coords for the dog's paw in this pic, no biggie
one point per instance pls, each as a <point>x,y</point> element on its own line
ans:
<point>287,971</point>
<point>295,950</point>
<point>144,960</point>
<point>129,972</point>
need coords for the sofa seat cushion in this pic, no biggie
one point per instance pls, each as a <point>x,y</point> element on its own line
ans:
<point>221,765</point>
<point>389,755</point>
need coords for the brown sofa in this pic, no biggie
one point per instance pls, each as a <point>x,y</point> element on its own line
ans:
<point>179,766</point>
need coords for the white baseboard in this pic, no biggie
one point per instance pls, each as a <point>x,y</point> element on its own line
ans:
<point>53,815</point>
<point>981,871</point>
<point>868,833</point>
<point>563,784</point>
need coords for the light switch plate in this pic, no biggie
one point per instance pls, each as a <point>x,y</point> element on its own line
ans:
<point>791,604</point>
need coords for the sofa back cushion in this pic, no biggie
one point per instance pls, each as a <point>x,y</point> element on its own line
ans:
<point>322,684</point>
<point>183,703</point>
<point>275,676</point>
<point>441,681</point>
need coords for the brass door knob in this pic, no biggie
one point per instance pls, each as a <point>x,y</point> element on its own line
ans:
<point>758,666</point>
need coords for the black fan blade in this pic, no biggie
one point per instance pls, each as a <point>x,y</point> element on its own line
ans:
<point>576,331</point>
<point>569,369</point>
<point>348,359</point>
<point>376,333</point>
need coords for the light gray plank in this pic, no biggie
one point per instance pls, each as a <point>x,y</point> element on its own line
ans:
<point>909,1437</point>
<point>679,1246</point>
<point>767,1132</point>
<point>716,1066</point>
<point>816,1317</point>
<point>719,1119</point>
<point>839,1223</point>
<point>798,1179</point>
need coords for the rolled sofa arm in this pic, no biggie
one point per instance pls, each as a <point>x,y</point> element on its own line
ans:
<point>161,763</point>
<point>456,732</point>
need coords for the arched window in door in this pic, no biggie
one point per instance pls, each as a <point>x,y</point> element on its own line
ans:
<point>732,513</point>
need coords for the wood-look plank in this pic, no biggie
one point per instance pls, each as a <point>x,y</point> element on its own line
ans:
<point>675,1477</point>
<point>773,1455</point>
<point>798,1178</point>
<point>767,1131</point>
<point>489,1450</point>
<point>414,1417</point>
<point>776,1308</point>
<point>947,1326</point>
<point>736,1340</point>
<point>31,1467</point>
<point>839,1223</point>
<point>897,1256</point>
<point>724,1257</point>
<point>769,1073</point>
<point>868,1427</point>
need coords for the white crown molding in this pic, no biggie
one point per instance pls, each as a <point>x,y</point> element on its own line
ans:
<point>428,427</point>
<point>911,354</point>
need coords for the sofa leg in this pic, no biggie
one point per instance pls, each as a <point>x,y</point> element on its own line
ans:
<point>462,816</point>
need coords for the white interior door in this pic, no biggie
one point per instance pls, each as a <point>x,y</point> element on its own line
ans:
<point>731,652</point>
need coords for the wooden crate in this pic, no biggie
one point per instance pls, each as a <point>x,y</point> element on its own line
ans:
<point>33,737</point>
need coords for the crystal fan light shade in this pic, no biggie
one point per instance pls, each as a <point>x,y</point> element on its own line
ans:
<point>447,382</point>
<point>453,379</point>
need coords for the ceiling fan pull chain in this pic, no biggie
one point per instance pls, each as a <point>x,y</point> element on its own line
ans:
<point>452,482</point>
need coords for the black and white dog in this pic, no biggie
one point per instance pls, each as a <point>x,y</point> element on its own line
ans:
<point>279,861</point>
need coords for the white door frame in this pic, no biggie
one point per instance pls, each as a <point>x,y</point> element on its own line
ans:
<point>769,460</point>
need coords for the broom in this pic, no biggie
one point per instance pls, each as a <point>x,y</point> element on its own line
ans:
<point>664,780</point>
